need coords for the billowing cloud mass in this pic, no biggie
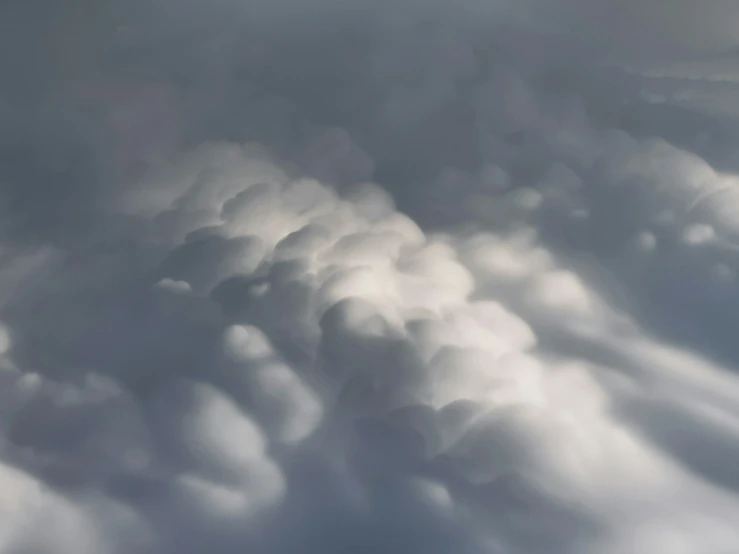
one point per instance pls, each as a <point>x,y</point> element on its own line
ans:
<point>396,277</point>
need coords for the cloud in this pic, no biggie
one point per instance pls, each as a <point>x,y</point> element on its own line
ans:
<point>298,276</point>
<point>373,347</point>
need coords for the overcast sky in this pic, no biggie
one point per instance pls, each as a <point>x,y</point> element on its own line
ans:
<point>394,277</point>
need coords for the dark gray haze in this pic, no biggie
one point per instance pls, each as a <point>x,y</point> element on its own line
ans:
<point>379,277</point>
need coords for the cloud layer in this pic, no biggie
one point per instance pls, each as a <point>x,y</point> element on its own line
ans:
<point>301,277</point>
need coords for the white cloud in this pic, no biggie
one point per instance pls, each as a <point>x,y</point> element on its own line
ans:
<point>373,316</point>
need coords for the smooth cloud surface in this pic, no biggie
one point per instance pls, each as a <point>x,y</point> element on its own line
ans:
<point>300,277</point>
